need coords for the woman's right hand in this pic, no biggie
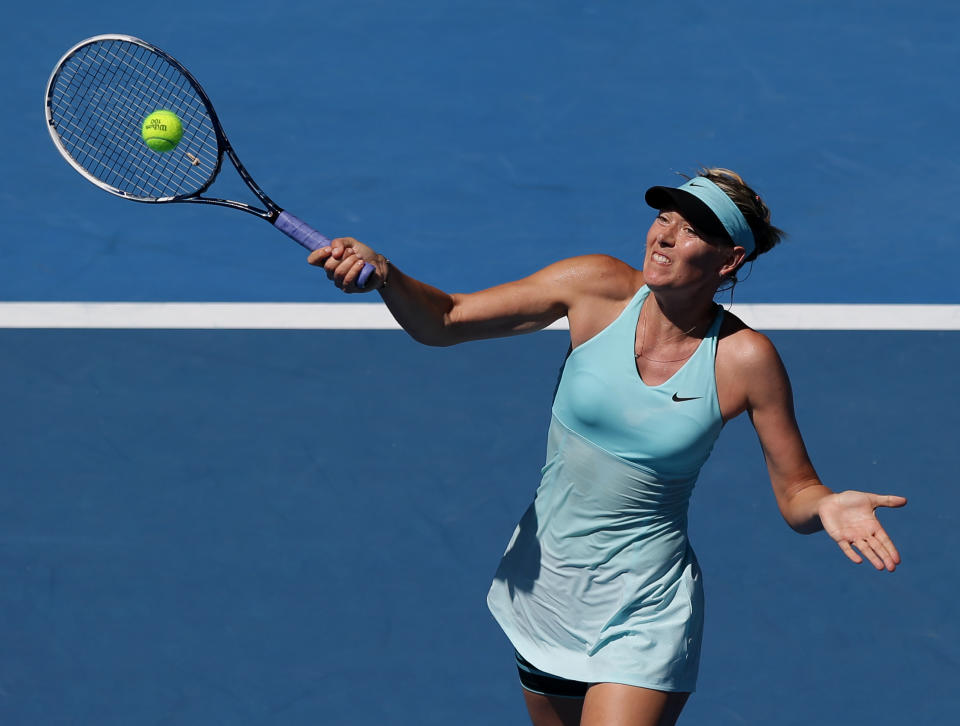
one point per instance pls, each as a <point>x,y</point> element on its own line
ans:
<point>343,261</point>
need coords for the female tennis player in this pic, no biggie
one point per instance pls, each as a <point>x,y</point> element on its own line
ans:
<point>599,591</point>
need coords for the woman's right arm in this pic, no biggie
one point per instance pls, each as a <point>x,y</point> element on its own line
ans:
<point>434,317</point>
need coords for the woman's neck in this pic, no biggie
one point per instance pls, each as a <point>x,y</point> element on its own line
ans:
<point>677,315</point>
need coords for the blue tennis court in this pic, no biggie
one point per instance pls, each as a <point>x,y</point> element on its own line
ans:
<point>285,525</point>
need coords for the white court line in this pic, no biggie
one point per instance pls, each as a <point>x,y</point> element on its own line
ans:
<point>374,316</point>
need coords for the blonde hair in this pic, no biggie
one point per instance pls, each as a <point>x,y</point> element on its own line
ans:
<point>750,204</point>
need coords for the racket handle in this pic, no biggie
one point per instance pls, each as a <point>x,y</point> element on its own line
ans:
<point>300,231</point>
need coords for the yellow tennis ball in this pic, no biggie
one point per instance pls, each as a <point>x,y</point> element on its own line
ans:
<point>162,131</point>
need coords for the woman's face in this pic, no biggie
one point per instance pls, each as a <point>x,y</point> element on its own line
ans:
<point>680,256</point>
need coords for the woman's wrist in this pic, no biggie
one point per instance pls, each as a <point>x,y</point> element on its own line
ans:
<point>383,270</point>
<point>804,508</point>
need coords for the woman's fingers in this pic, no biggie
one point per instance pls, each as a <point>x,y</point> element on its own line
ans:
<point>893,556</point>
<point>867,551</point>
<point>345,271</point>
<point>343,260</point>
<point>882,555</point>
<point>337,269</point>
<point>318,257</point>
<point>349,281</point>
<point>888,500</point>
<point>850,552</point>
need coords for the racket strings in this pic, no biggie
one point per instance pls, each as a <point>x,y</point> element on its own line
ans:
<point>98,102</point>
<point>155,98</point>
<point>108,159</point>
<point>110,78</point>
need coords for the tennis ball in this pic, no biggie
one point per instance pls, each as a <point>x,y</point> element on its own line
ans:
<point>162,131</point>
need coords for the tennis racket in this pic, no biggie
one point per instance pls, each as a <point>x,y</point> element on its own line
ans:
<point>97,99</point>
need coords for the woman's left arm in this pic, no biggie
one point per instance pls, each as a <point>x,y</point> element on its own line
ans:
<point>807,505</point>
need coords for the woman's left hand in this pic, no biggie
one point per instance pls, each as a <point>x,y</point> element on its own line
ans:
<point>849,518</point>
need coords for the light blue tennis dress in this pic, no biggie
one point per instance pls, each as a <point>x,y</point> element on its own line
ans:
<point>599,582</point>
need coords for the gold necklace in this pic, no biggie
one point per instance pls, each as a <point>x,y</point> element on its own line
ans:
<point>643,337</point>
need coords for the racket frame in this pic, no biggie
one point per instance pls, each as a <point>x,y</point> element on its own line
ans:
<point>293,227</point>
<point>271,211</point>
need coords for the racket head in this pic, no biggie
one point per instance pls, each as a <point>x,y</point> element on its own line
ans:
<point>96,100</point>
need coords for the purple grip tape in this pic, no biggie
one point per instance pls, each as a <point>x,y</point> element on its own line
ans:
<point>310,238</point>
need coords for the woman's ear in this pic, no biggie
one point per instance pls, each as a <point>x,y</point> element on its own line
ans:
<point>734,259</point>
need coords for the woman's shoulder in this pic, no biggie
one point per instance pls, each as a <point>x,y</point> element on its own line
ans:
<point>600,276</point>
<point>743,346</point>
<point>601,288</point>
<point>748,367</point>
